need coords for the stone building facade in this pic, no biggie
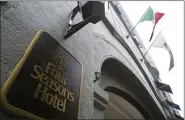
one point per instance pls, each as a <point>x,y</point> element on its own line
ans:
<point>115,82</point>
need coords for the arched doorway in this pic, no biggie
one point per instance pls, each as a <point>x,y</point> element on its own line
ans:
<point>129,99</point>
<point>120,108</point>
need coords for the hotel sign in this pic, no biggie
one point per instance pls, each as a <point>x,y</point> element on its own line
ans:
<point>46,82</point>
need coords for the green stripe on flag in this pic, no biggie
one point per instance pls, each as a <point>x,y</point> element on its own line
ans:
<point>148,16</point>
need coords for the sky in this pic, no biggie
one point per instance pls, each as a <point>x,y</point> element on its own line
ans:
<point>171,26</point>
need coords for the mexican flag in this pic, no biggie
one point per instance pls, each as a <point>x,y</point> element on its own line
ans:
<point>152,16</point>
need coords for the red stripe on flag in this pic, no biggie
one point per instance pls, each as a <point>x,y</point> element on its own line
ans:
<point>158,16</point>
<point>152,33</point>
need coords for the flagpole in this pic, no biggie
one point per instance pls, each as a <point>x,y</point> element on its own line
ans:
<point>150,46</point>
<point>137,23</point>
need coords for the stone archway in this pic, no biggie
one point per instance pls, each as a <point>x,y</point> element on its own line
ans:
<point>122,84</point>
<point>123,106</point>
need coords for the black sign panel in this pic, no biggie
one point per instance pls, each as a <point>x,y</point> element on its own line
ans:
<point>46,82</point>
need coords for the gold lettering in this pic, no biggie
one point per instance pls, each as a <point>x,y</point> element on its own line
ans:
<point>62,91</point>
<point>49,82</point>
<point>71,96</point>
<point>50,67</point>
<point>55,84</point>
<point>43,92</point>
<point>61,104</point>
<point>50,79</point>
<point>49,101</point>
<point>49,98</point>
<point>36,71</point>
<point>55,101</point>
<point>62,79</point>
<point>43,79</point>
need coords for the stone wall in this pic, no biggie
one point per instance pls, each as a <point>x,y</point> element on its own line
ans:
<point>20,21</point>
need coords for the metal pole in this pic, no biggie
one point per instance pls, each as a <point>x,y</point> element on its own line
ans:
<point>137,23</point>
<point>150,46</point>
<point>162,86</point>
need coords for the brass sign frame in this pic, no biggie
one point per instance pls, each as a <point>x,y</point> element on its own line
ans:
<point>17,111</point>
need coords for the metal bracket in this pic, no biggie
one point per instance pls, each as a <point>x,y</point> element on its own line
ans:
<point>98,76</point>
<point>92,11</point>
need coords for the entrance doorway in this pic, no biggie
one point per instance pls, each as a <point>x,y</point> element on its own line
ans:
<point>119,108</point>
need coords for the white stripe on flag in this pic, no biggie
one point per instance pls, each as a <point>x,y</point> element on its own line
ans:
<point>160,41</point>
